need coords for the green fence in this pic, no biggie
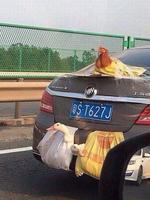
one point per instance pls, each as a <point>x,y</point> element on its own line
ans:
<point>35,49</point>
<point>20,58</point>
<point>137,42</point>
<point>140,42</point>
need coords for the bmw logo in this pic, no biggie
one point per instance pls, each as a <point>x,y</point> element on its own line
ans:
<point>90,91</point>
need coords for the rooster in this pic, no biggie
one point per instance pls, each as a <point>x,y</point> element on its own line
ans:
<point>104,59</point>
<point>109,66</point>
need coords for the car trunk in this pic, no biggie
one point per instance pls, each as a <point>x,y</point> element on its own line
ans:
<point>127,98</point>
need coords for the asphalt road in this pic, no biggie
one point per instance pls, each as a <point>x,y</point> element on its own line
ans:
<point>22,178</point>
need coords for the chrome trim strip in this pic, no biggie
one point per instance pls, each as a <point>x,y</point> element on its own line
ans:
<point>99,97</point>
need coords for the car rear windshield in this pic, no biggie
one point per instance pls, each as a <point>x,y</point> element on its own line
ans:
<point>137,57</point>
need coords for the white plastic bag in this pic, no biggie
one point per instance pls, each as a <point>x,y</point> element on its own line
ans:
<point>54,151</point>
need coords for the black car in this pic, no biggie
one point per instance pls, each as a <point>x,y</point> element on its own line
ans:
<point>91,102</point>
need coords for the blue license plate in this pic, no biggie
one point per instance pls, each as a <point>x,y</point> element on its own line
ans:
<point>91,110</point>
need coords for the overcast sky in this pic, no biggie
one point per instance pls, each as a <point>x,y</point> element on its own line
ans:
<point>128,17</point>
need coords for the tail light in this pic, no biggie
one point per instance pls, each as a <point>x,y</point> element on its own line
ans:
<point>144,117</point>
<point>46,103</point>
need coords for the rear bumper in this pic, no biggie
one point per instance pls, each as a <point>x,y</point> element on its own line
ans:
<point>136,130</point>
<point>45,120</point>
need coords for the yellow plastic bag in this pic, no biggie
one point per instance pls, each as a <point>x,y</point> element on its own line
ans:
<point>119,69</point>
<point>96,148</point>
<point>109,66</point>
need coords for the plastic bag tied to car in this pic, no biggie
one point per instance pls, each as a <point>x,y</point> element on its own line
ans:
<point>55,147</point>
<point>106,65</point>
<point>91,158</point>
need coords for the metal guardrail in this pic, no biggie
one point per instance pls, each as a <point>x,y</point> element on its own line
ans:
<point>29,75</point>
<point>21,91</point>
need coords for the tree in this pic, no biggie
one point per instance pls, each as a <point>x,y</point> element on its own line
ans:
<point>88,57</point>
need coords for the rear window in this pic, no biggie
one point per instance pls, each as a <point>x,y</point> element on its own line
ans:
<point>137,57</point>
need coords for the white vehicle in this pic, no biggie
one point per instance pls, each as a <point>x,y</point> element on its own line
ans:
<point>139,166</point>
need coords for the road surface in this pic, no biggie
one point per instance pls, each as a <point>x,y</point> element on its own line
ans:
<point>24,178</point>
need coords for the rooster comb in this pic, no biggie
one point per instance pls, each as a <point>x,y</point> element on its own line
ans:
<point>102,50</point>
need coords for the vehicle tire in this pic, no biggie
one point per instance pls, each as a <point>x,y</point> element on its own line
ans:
<point>140,175</point>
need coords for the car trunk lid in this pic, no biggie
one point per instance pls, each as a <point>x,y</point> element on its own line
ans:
<point>128,97</point>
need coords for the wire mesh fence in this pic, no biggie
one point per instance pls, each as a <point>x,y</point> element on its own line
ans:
<point>140,42</point>
<point>35,59</point>
<point>34,49</point>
